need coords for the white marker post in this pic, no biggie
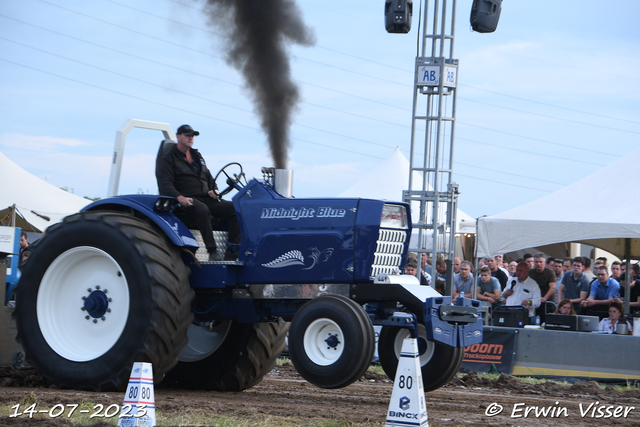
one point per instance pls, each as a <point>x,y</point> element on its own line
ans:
<point>407,406</point>
<point>139,408</point>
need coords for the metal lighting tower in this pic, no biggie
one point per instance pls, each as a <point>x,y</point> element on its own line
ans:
<point>431,186</point>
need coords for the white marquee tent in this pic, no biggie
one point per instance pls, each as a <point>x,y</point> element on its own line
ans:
<point>389,179</point>
<point>38,202</point>
<point>583,212</point>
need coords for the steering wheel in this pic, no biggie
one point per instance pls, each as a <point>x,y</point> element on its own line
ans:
<point>233,179</point>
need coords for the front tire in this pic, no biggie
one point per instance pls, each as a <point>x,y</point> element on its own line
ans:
<point>101,291</point>
<point>439,362</point>
<point>331,341</point>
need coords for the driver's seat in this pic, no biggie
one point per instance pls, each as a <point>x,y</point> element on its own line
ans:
<point>221,237</point>
<point>166,145</point>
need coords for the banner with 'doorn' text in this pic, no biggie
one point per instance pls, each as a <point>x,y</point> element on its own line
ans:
<point>497,349</point>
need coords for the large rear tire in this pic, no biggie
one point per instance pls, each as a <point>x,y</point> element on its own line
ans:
<point>101,291</point>
<point>331,341</point>
<point>231,356</point>
<point>439,362</point>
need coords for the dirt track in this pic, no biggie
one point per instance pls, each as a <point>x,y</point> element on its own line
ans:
<point>464,401</point>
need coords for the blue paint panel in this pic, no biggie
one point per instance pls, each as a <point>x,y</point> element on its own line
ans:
<point>295,240</point>
<point>448,333</point>
<point>284,240</point>
<point>212,276</point>
<point>144,204</point>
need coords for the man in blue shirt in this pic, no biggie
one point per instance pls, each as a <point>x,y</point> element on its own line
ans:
<point>463,281</point>
<point>488,288</point>
<point>574,285</point>
<point>603,291</point>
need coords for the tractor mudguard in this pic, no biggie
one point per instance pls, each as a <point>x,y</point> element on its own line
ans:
<point>155,208</point>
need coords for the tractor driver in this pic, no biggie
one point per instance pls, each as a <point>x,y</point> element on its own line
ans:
<point>182,173</point>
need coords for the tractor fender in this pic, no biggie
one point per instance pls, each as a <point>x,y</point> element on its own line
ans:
<point>143,206</point>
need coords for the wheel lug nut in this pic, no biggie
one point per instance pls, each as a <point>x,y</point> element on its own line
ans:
<point>109,300</point>
<point>95,320</point>
<point>108,310</point>
<point>89,290</point>
<point>84,298</point>
<point>98,287</point>
<point>83,309</point>
<point>105,291</point>
<point>103,318</point>
<point>87,317</point>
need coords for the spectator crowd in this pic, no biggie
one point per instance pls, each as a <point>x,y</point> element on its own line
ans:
<point>541,284</point>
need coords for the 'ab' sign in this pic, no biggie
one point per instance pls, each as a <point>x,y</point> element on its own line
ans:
<point>429,75</point>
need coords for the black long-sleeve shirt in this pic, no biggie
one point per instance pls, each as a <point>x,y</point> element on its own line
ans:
<point>176,176</point>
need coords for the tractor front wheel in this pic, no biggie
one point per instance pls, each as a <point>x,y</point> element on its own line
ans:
<point>439,362</point>
<point>331,341</point>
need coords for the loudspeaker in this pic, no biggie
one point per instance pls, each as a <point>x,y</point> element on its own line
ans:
<point>485,15</point>
<point>397,15</point>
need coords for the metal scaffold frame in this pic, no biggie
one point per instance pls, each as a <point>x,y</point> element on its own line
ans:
<point>431,186</point>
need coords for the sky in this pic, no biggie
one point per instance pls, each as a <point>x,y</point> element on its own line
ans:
<point>549,98</point>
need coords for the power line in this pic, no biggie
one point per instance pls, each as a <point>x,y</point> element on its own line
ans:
<point>555,64</point>
<point>176,108</point>
<point>552,117</point>
<point>511,184</point>
<point>535,139</point>
<point>186,93</point>
<point>234,107</point>
<point>394,67</point>
<point>209,54</point>
<point>484,168</point>
<point>222,120</point>
<point>590,55</point>
<point>546,104</point>
<point>184,70</point>
<point>327,107</point>
<point>546,155</point>
<point>307,83</point>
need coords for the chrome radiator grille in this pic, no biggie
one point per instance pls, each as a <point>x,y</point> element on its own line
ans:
<point>388,255</point>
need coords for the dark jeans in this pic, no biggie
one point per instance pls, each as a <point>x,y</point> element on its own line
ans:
<point>200,212</point>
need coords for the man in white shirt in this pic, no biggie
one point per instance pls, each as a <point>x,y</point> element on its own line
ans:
<point>523,290</point>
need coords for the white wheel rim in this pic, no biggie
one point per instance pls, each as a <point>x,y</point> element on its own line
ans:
<point>323,342</point>
<point>80,272</point>
<point>422,333</point>
<point>203,341</point>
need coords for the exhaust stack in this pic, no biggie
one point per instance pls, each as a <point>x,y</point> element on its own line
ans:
<point>281,180</point>
<point>284,182</point>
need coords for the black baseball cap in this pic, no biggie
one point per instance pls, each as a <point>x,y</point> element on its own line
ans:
<point>187,130</point>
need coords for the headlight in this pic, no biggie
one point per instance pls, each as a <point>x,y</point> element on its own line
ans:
<point>164,205</point>
<point>394,216</point>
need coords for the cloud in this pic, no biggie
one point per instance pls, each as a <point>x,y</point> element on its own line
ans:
<point>38,143</point>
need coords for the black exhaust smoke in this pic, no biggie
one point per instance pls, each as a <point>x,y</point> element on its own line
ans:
<point>256,46</point>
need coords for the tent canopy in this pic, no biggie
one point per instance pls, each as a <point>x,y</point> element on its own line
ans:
<point>38,203</point>
<point>10,219</point>
<point>582,212</point>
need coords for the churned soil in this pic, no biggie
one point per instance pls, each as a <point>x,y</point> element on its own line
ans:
<point>468,400</point>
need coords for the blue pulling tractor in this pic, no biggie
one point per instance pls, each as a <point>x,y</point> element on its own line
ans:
<point>121,282</point>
